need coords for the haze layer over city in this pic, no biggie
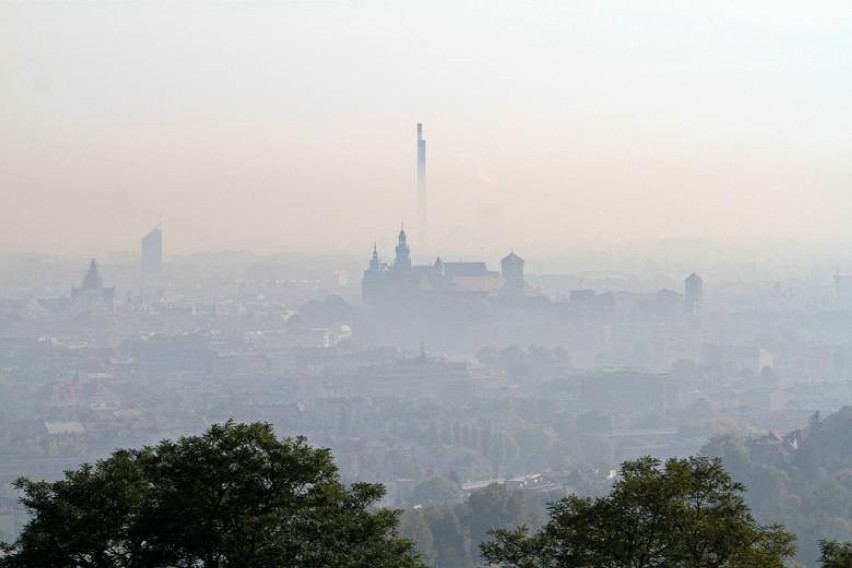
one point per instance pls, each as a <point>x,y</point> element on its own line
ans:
<point>268,127</point>
<point>484,252</point>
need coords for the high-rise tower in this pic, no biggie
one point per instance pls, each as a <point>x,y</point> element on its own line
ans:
<point>152,253</point>
<point>422,222</point>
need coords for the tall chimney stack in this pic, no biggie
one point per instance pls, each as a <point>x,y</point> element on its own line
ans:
<point>422,222</point>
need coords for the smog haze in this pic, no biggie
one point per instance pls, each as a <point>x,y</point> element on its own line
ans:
<point>268,127</point>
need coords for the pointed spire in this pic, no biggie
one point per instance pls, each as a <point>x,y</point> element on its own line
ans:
<point>374,260</point>
<point>403,253</point>
<point>93,279</point>
<point>438,266</point>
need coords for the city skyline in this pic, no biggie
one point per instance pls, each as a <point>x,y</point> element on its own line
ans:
<point>628,255</point>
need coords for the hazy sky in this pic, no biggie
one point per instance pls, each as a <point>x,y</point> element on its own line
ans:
<point>280,126</point>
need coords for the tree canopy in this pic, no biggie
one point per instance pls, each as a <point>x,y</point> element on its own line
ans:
<point>801,479</point>
<point>235,496</point>
<point>685,513</point>
<point>835,554</point>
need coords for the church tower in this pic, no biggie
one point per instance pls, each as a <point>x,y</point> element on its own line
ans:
<point>374,282</point>
<point>512,269</point>
<point>92,293</point>
<point>403,253</point>
<point>693,294</point>
<point>375,265</point>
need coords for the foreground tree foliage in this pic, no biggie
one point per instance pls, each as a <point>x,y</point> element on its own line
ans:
<point>686,513</point>
<point>234,497</point>
<point>836,554</point>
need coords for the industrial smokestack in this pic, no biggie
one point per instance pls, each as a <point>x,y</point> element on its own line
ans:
<point>422,227</point>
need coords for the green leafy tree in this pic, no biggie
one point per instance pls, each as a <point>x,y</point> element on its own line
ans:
<point>836,554</point>
<point>686,513</point>
<point>236,496</point>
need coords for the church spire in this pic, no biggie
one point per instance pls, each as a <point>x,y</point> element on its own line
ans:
<point>403,253</point>
<point>93,280</point>
<point>374,261</point>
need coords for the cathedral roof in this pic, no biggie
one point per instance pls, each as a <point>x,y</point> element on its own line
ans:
<point>465,268</point>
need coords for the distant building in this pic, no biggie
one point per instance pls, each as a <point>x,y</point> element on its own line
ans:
<point>152,253</point>
<point>582,297</point>
<point>512,269</point>
<point>403,253</point>
<point>693,294</point>
<point>92,292</point>
<point>401,281</point>
<point>667,305</point>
